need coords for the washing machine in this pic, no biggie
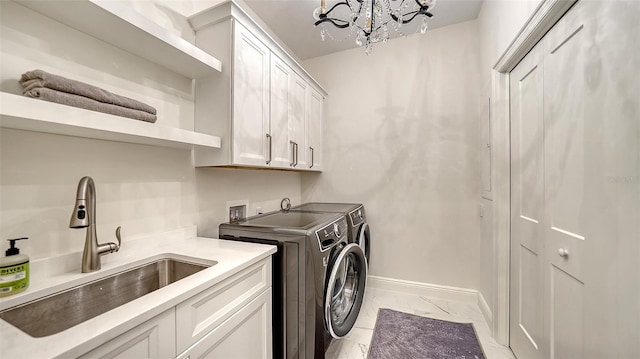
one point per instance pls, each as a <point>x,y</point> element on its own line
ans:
<point>318,277</point>
<point>356,220</point>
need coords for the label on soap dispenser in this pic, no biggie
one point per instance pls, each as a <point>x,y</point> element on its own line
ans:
<point>14,277</point>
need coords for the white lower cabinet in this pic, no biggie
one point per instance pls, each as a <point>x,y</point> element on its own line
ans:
<point>246,335</point>
<point>231,319</point>
<point>201,314</point>
<point>156,338</point>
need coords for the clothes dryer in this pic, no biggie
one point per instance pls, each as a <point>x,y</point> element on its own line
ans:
<point>356,220</point>
<point>319,277</point>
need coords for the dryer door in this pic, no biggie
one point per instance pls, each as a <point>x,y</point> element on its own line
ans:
<point>364,241</point>
<point>345,290</point>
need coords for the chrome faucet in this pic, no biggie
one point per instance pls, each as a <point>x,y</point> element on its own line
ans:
<point>84,216</point>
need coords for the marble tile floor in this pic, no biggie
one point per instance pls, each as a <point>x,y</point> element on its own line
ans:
<point>356,344</point>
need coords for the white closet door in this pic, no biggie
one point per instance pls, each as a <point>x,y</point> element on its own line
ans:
<point>527,214</point>
<point>590,206</point>
<point>591,94</point>
<point>569,199</point>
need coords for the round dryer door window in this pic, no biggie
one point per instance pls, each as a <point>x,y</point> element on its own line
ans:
<point>345,290</point>
<point>364,241</point>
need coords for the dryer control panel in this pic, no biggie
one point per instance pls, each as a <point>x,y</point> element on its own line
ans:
<point>332,234</point>
<point>357,216</point>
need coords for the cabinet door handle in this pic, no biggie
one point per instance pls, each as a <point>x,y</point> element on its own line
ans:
<point>296,144</point>
<point>563,253</point>
<point>293,154</point>
<point>269,140</point>
<point>311,148</point>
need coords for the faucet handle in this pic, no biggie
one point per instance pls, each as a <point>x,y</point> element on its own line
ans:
<point>119,239</point>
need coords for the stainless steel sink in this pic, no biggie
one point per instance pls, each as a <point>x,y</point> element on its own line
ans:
<point>55,313</point>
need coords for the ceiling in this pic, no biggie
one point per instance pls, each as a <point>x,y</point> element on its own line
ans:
<point>292,22</point>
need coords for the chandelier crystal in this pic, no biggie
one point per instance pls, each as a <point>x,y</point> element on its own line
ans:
<point>369,20</point>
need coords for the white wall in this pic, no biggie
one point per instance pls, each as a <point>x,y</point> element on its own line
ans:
<point>263,189</point>
<point>401,135</point>
<point>144,189</point>
<point>499,22</point>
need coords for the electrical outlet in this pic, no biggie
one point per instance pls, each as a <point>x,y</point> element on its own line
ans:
<point>258,210</point>
<point>236,210</point>
<point>237,213</point>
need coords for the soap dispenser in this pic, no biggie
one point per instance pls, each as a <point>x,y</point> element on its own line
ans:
<point>14,270</point>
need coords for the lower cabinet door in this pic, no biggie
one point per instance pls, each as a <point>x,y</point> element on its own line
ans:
<point>155,338</point>
<point>245,335</point>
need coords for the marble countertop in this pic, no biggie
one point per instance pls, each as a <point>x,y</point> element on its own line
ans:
<point>52,275</point>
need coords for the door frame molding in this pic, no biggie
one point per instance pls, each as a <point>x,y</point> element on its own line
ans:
<point>541,21</point>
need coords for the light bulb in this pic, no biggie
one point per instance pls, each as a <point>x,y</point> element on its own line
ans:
<point>375,36</point>
<point>316,13</point>
<point>399,17</point>
<point>385,34</point>
<point>424,26</point>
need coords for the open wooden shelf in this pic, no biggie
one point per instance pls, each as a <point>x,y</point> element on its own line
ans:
<point>23,113</point>
<point>120,25</point>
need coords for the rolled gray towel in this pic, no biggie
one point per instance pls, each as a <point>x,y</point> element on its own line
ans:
<point>64,98</point>
<point>38,78</point>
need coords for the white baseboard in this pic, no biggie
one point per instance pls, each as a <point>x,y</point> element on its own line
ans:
<point>434,290</point>
<point>426,289</point>
<point>485,309</point>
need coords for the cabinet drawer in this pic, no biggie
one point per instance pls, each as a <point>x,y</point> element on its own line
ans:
<point>203,312</point>
<point>246,335</point>
<point>154,338</point>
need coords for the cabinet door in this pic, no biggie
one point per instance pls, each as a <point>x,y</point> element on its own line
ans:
<point>282,154</point>
<point>250,128</point>
<point>246,335</point>
<point>298,126</point>
<point>314,123</point>
<point>155,338</point>
<point>202,313</point>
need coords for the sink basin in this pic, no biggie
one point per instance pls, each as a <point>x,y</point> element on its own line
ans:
<point>55,313</point>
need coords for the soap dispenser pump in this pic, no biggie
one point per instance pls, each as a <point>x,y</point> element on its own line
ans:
<point>14,270</point>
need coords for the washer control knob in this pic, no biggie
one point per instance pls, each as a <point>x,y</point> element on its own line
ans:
<point>360,213</point>
<point>336,229</point>
<point>285,204</point>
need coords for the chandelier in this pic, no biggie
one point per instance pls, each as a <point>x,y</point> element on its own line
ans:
<point>370,21</point>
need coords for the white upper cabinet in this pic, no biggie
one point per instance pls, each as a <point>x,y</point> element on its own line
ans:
<point>250,100</point>
<point>314,113</point>
<point>298,125</point>
<point>281,145</point>
<point>264,106</point>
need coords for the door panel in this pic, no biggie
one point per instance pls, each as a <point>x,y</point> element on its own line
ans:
<point>530,321</point>
<point>281,77</point>
<point>315,101</point>
<point>298,128</point>
<point>527,203</point>
<point>566,315</point>
<point>566,186</point>
<point>565,160</point>
<point>250,99</point>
